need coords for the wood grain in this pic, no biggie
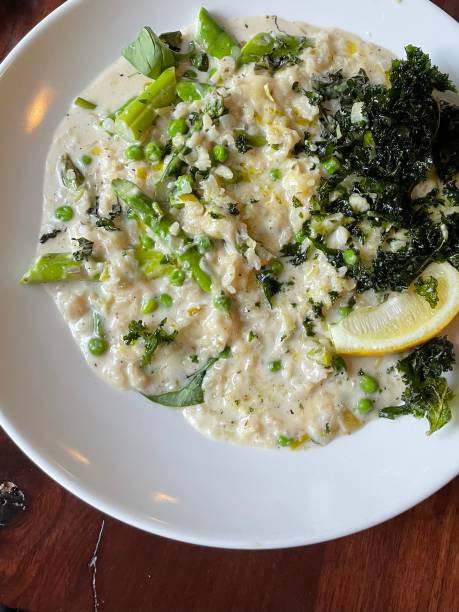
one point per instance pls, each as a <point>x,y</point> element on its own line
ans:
<point>408,564</point>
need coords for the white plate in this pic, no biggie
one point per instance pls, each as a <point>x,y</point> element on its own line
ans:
<point>146,465</point>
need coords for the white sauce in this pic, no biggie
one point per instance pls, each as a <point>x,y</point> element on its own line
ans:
<point>244,401</point>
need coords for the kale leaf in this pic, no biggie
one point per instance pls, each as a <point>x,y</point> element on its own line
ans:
<point>427,393</point>
<point>376,144</point>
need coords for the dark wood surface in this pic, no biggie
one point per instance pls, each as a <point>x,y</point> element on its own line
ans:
<point>410,563</point>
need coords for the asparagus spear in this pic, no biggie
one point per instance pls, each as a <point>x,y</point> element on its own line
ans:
<point>71,176</point>
<point>151,262</point>
<point>57,267</point>
<point>191,259</point>
<point>256,48</point>
<point>213,38</point>
<point>189,90</point>
<point>138,116</point>
<point>153,216</point>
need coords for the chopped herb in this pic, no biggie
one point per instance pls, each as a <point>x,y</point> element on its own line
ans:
<point>233,209</point>
<point>107,224</point>
<point>269,284</point>
<point>317,308</point>
<point>52,234</point>
<point>427,288</point>
<point>308,325</point>
<point>338,364</point>
<point>152,339</point>
<point>85,250</point>
<point>296,202</point>
<point>245,141</point>
<point>215,215</point>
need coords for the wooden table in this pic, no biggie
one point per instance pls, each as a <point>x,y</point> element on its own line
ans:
<point>409,563</point>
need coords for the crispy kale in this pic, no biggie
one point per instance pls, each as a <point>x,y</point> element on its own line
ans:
<point>427,393</point>
<point>376,144</point>
<point>152,339</point>
<point>446,146</point>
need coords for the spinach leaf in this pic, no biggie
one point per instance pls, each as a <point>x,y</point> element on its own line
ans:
<point>189,395</point>
<point>192,393</point>
<point>148,54</point>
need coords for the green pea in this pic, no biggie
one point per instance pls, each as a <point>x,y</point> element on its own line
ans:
<point>284,441</point>
<point>166,300</point>
<point>365,405</point>
<point>177,126</point>
<point>350,257</point>
<point>344,311</point>
<point>64,213</point>
<point>133,153</point>
<point>97,346</point>
<point>154,152</point>
<point>275,366</point>
<point>368,384</point>
<point>147,242</point>
<point>86,159</point>
<point>177,278</point>
<point>203,242</point>
<point>276,174</point>
<point>220,153</point>
<point>276,267</point>
<point>148,306</point>
<point>223,302</point>
<point>331,165</point>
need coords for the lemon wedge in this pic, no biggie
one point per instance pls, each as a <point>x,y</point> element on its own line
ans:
<point>404,320</point>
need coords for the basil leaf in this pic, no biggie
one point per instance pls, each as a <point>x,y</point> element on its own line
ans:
<point>148,54</point>
<point>190,394</point>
